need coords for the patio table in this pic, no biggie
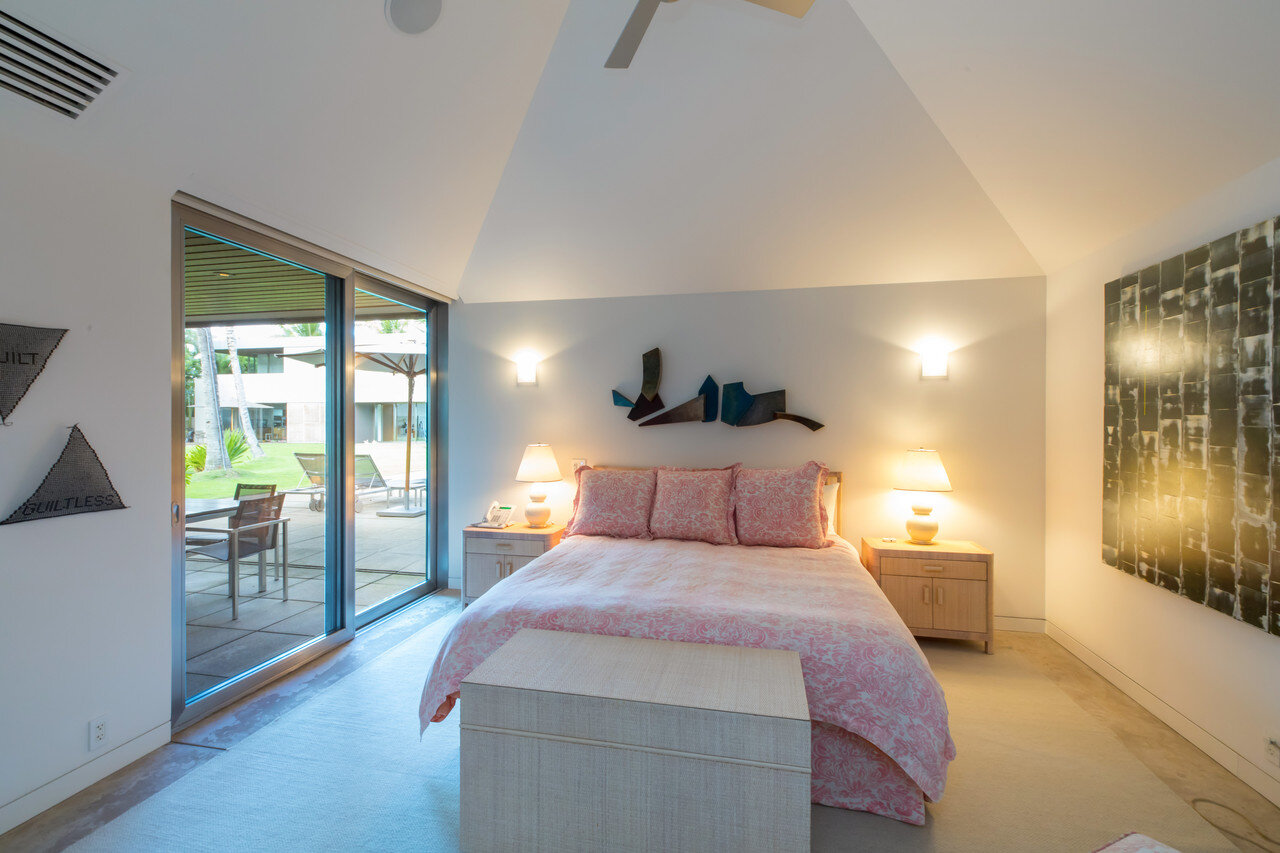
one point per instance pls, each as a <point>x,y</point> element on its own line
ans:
<point>203,509</point>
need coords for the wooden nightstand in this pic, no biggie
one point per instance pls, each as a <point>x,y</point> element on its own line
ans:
<point>492,554</point>
<point>940,590</point>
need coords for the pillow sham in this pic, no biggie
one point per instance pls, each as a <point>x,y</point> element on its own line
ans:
<point>694,503</point>
<point>612,502</point>
<point>781,506</point>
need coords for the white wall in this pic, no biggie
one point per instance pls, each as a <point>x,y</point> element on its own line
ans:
<point>742,150</point>
<point>842,355</point>
<point>331,127</point>
<point>85,599</point>
<point>1212,678</point>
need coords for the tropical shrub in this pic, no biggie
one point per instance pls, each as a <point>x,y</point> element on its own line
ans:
<point>197,455</point>
<point>238,450</point>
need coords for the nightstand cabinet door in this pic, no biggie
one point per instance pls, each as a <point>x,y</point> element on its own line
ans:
<point>912,597</point>
<point>483,571</point>
<point>959,605</point>
<point>515,563</point>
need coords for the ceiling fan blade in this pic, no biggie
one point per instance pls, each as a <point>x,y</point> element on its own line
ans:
<point>794,8</point>
<point>632,33</point>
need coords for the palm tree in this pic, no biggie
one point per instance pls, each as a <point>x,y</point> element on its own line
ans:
<point>207,396</point>
<point>242,404</point>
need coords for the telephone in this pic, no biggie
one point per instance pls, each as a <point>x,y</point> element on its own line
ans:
<point>498,516</point>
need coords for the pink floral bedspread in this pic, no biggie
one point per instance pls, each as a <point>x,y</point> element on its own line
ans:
<point>863,672</point>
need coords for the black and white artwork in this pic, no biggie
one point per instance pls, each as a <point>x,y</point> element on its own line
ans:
<point>1190,472</point>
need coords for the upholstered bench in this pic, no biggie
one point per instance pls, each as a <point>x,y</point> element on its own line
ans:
<point>585,742</point>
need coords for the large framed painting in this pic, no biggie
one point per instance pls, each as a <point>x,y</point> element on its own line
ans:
<point>1190,474</point>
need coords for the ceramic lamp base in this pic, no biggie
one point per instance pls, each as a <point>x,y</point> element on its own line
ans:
<point>921,526</point>
<point>536,512</point>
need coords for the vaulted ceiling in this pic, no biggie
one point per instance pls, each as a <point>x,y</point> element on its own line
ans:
<point>494,156</point>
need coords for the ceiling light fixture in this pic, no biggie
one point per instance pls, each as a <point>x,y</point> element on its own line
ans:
<point>629,42</point>
<point>412,17</point>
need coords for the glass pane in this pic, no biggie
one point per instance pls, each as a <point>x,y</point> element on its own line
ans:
<point>391,452</point>
<point>256,388</point>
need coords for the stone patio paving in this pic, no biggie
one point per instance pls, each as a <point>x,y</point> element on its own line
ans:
<point>390,558</point>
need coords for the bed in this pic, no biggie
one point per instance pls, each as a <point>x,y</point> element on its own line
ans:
<point>880,738</point>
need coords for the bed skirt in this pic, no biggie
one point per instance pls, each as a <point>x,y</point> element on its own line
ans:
<point>850,773</point>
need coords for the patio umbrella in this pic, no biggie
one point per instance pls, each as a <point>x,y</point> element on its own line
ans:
<point>405,357</point>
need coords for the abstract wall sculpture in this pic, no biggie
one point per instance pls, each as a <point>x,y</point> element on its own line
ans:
<point>24,350</point>
<point>734,406</point>
<point>1190,471</point>
<point>76,483</point>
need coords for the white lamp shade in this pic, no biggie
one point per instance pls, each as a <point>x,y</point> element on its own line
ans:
<point>922,471</point>
<point>538,465</point>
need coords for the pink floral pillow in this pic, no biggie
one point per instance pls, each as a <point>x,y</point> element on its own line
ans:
<point>694,504</point>
<point>612,502</point>
<point>781,506</point>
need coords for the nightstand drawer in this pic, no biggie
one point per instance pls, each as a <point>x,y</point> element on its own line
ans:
<point>506,547</point>
<point>971,570</point>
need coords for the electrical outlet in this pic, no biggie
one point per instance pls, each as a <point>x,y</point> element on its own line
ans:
<point>97,733</point>
<point>1273,750</point>
<point>579,463</point>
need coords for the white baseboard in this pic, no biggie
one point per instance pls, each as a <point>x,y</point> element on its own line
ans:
<point>1244,769</point>
<point>73,781</point>
<point>1025,624</point>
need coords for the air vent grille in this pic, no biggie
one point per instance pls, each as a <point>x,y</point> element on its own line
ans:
<point>47,70</point>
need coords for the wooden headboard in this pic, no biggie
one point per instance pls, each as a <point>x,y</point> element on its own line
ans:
<point>837,477</point>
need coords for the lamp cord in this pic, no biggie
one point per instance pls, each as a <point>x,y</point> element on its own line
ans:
<point>1275,844</point>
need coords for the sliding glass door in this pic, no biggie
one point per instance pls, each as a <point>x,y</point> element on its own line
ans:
<point>392,461</point>
<point>305,488</point>
<point>256,446</point>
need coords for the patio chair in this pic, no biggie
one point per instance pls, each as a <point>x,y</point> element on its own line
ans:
<point>368,479</point>
<point>256,528</point>
<point>243,490</point>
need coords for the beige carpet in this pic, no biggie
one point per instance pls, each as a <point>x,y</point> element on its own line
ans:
<point>1034,773</point>
<point>346,771</point>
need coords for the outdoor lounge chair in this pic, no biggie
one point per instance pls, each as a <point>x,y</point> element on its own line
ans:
<point>369,480</point>
<point>313,474</point>
<point>256,528</point>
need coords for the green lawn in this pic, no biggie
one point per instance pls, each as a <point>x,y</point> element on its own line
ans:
<point>279,466</point>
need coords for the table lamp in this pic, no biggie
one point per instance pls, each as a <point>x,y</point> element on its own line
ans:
<point>538,466</point>
<point>922,471</point>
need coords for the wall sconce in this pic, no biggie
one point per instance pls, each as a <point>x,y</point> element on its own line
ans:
<point>527,367</point>
<point>934,354</point>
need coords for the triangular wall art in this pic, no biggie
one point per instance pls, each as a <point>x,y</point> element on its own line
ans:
<point>24,350</point>
<point>76,483</point>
